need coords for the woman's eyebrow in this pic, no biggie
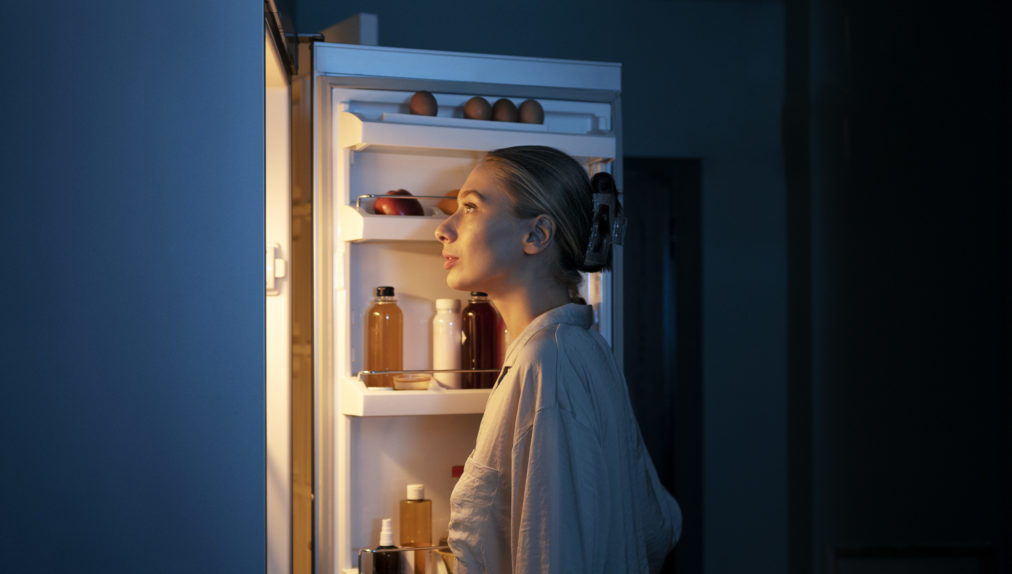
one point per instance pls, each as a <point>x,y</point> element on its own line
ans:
<point>466,192</point>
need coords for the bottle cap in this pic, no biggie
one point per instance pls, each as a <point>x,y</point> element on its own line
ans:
<point>416,492</point>
<point>478,294</point>
<point>452,304</point>
<point>385,291</point>
<point>387,533</point>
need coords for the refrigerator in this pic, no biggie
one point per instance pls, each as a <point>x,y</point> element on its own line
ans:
<point>368,443</point>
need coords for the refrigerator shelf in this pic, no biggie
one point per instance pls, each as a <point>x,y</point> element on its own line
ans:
<point>359,400</point>
<point>358,134</point>
<point>358,225</point>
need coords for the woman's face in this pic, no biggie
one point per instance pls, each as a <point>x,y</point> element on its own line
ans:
<point>482,240</point>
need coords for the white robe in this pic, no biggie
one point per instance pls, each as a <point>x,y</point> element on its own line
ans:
<point>559,479</point>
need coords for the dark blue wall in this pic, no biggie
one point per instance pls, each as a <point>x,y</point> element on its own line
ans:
<point>132,359</point>
<point>910,279</point>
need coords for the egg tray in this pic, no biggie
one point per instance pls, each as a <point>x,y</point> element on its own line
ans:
<point>454,122</point>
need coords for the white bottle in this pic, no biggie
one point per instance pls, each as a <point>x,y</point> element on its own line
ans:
<point>446,342</point>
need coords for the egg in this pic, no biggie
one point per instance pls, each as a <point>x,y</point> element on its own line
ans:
<point>477,108</point>
<point>531,112</point>
<point>504,111</point>
<point>423,104</point>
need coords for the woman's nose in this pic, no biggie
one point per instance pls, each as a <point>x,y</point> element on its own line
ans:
<point>443,232</point>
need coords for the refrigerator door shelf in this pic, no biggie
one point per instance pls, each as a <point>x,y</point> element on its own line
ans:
<point>356,225</point>
<point>358,135</point>
<point>460,123</point>
<point>359,400</point>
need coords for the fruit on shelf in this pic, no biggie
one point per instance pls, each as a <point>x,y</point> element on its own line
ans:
<point>449,205</point>
<point>392,205</point>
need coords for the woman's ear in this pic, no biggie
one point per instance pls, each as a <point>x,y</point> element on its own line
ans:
<point>539,235</point>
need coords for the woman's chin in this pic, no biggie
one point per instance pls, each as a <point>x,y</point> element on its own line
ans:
<point>458,284</point>
<point>455,283</point>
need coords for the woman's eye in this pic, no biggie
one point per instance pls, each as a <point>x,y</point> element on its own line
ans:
<point>468,207</point>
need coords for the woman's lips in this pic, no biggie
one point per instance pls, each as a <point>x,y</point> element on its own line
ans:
<point>448,261</point>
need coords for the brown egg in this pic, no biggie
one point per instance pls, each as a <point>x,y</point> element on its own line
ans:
<point>504,111</point>
<point>531,112</point>
<point>449,205</point>
<point>477,108</point>
<point>423,104</point>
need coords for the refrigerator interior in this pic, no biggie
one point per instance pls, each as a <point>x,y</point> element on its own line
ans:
<point>375,442</point>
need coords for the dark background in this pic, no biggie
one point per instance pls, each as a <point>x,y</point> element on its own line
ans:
<point>834,362</point>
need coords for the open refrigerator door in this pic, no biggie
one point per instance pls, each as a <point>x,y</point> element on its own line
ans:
<point>370,443</point>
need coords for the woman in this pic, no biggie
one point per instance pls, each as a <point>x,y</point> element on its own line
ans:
<point>559,480</point>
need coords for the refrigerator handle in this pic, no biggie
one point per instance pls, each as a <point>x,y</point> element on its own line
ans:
<point>275,268</point>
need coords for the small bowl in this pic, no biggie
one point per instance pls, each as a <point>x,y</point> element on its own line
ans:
<point>412,382</point>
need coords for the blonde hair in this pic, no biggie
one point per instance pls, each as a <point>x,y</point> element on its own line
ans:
<point>543,180</point>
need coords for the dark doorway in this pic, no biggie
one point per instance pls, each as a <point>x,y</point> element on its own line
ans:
<point>663,331</point>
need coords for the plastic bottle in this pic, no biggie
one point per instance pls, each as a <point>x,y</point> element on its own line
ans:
<point>478,341</point>
<point>416,523</point>
<point>386,562</point>
<point>446,342</point>
<point>384,338</point>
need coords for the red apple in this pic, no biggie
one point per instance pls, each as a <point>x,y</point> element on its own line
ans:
<point>391,206</point>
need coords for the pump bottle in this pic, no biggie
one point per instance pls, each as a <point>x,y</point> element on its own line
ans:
<point>386,562</point>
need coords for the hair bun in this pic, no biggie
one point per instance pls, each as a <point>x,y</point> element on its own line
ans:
<point>607,223</point>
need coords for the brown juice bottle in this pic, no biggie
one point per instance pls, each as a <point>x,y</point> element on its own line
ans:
<point>479,341</point>
<point>416,523</point>
<point>384,328</point>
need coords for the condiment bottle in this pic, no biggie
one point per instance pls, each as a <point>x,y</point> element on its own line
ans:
<point>479,341</point>
<point>386,562</point>
<point>446,342</point>
<point>384,328</point>
<point>416,523</point>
